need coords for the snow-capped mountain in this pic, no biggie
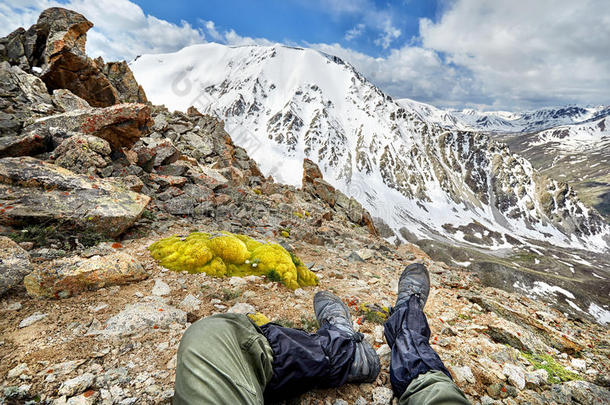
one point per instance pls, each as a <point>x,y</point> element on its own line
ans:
<point>506,122</point>
<point>283,104</point>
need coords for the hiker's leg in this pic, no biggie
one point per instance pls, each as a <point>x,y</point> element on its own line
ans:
<point>222,359</point>
<point>408,334</point>
<point>302,361</point>
<point>432,388</point>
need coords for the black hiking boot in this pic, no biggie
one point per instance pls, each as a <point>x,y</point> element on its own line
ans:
<point>414,280</point>
<point>331,311</point>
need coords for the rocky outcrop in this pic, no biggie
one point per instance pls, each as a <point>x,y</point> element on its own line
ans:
<point>32,191</point>
<point>65,63</point>
<point>54,48</point>
<point>121,125</point>
<point>24,98</point>
<point>314,184</point>
<point>122,79</point>
<point>14,264</point>
<point>83,154</point>
<point>67,277</point>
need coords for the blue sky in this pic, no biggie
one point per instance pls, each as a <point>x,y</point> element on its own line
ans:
<point>298,22</point>
<point>492,55</point>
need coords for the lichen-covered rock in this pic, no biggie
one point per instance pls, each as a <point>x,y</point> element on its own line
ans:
<point>153,153</point>
<point>83,154</point>
<point>14,264</point>
<point>24,98</point>
<point>32,191</point>
<point>121,125</point>
<point>67,277</point>
<point>123,80</point>
<point>229,254</point>
<point>65,63</point>
<point>68,101</point>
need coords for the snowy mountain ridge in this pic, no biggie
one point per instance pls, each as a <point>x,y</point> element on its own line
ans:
<point>504,121</point>
<point>283,104</point>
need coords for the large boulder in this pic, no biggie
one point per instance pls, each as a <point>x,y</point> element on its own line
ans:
<point>83,154</point>
<point>68,101</point>
<point>121,125</point>
<point>23,98</point>
<point>65,63</point>
<point>67,277</point>
<point>14,264</point>
<point>32,191</point>
<point>123,80</point>
<point>54,48</point>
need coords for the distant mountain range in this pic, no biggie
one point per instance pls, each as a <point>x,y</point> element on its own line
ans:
<point>507,122</point>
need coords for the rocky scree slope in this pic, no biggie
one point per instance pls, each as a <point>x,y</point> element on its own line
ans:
<point>279,101</point>
<point>88,317</point>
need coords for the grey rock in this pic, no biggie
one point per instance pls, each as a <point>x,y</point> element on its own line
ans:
<point>584,392</point>
<point>161,288</point>
<point>18,370</point>
<point>463,375</point>
<point>68,101</point>
<point>14,264</point>
<point>242,308</point>
<point>536,378</point>
<point>32,319</point>
<point>76,385</point>
<point>382,396</point>
<point>83,154</point>
<point>27,99</point>
<point>190,303</point>
<point>42,192</point>
<point>515,375</point>
<point>144,316</point>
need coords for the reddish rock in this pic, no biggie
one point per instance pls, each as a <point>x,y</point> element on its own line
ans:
<point>123,80</point>
<point>311,171</point>
<point>65,63</point>
<point>67,277</point>
<point>121,125</point>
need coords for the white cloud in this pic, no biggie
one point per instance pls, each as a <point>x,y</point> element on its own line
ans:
<point>354,32</point>
<point>211,30</point>
<point>410,72</point>
<point>121,30</point>
<point>498,55</point>
<point>527,52</point>
<point>390,33</point>
<point>370,15</point>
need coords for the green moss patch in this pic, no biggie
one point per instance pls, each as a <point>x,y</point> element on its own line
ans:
<point>373,313</point>
<point>557,373</point>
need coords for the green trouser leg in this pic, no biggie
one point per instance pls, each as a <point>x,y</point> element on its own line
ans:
<point>222,359</point>
<point>433,388</point>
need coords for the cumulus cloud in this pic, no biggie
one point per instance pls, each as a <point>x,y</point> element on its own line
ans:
<point>121,30</point>
<point>411,72</point>
<point>527,52</point>
<point>494,55</point>
<point>370,15</point>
